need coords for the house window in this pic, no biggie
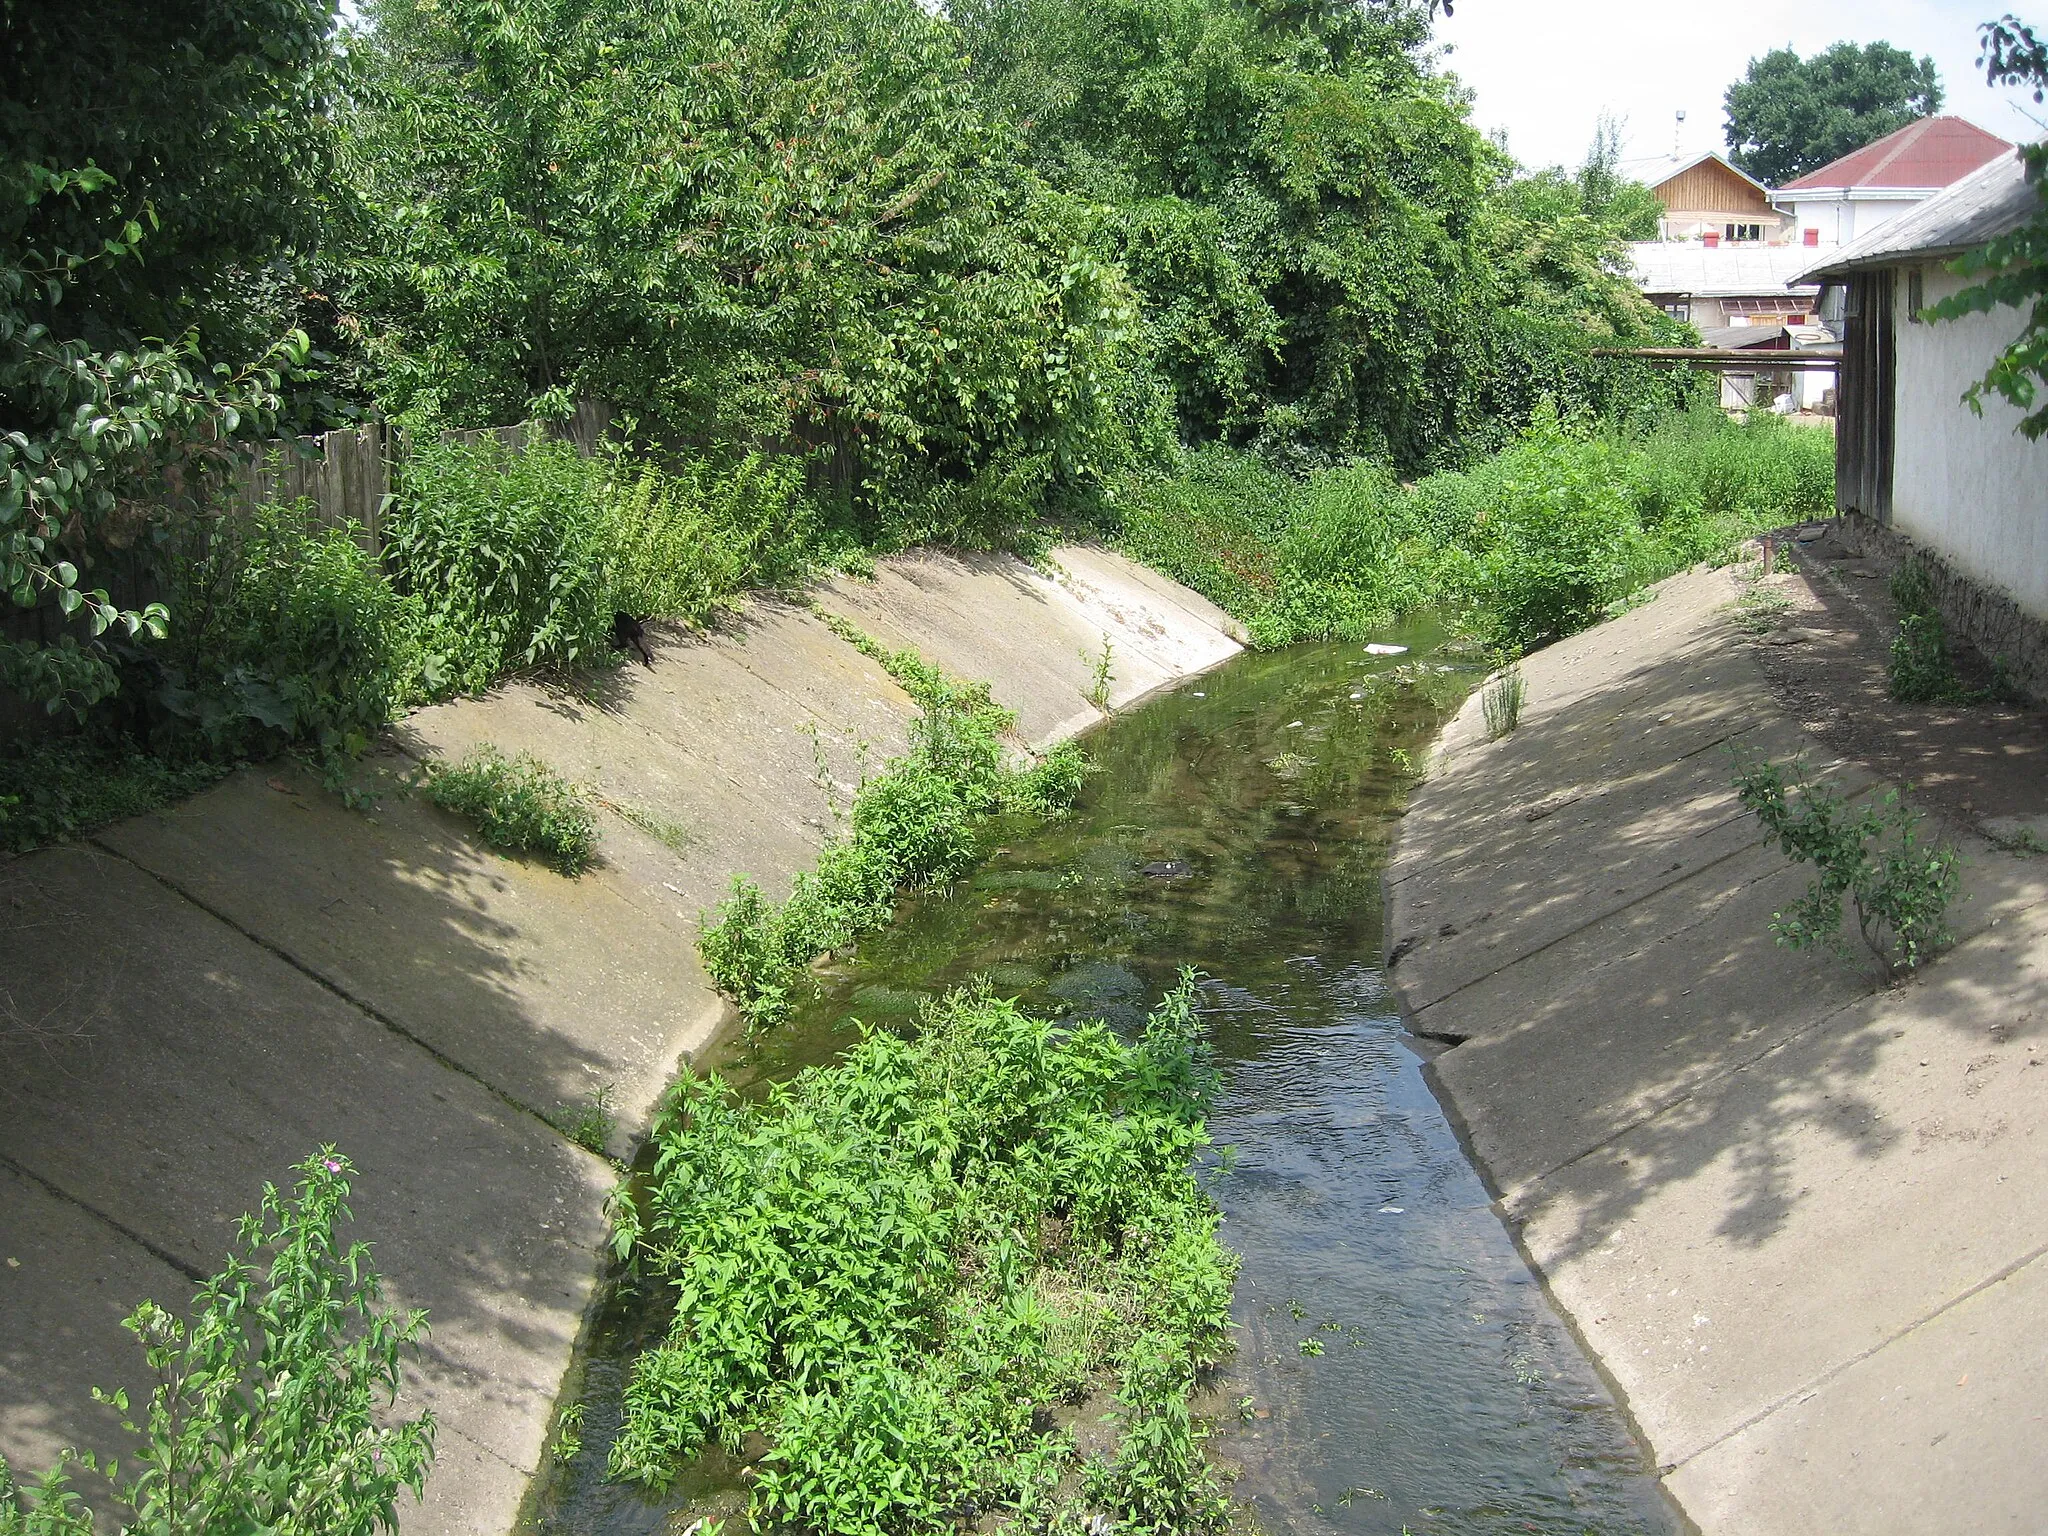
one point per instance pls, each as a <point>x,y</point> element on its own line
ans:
<point>1678,309</point>
<point>1735,232</point>
<point>1916,294</point>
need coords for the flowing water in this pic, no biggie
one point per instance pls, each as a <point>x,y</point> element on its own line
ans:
<point>1398,1368</point>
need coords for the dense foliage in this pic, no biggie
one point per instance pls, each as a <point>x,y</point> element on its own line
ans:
<point>1542,537</point>
<point>2013,269</point>
<point>898,1265</point>
<point>1330,259</point>
<point>773,221</point>
<point>272,1407</point>
<point>1789,115</point>
<point>912,824</point>
<point>159,174</point>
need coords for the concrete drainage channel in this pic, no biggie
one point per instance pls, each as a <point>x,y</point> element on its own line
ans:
<point>1799,1218</point>
<point>215,991</point>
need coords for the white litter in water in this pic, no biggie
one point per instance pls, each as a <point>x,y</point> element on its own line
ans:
<point>1201,695</point>
<point>1376,649</point>
<point>1292,724</point>
<point>1390,1210</point>
<point>1356,697</point>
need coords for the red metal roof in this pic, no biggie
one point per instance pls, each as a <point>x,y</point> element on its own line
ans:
<point>1932,152</point>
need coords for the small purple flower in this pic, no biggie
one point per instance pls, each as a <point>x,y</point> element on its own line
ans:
<point>332,1164</point>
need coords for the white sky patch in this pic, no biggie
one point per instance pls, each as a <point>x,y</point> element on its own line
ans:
<point>1544,69</point>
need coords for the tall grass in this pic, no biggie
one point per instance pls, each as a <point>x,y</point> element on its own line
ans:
<point>521,558</point>
<point>1542,537</point>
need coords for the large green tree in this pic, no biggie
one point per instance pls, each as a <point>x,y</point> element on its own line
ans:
<point>1328,255</point>
<point>747,221</point>
<point>1789,115</point>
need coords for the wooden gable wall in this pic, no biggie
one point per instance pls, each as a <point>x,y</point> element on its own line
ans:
<point>1710,187</point>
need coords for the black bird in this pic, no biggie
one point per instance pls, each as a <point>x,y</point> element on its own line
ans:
<point>629,633</point>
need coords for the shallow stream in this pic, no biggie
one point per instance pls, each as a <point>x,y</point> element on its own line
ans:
<point>1403,1369</point>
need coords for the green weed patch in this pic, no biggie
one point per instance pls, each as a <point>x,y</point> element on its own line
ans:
<point>912,824</point>
<point>519,804</point>
<point>898,1268</point>
<point>1540,539</point>
<point>64,788</point>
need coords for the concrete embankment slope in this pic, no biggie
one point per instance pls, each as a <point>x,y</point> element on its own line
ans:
<point>1798,1217</point>
<point>193,1001</point>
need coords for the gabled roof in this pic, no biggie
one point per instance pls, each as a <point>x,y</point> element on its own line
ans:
<point>1932,152</point>
<point>1990,202</point>
<point>1722,272</point>
<point>1655,170</point>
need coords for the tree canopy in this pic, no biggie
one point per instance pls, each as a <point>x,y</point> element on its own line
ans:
<point>964,267</point>
<point>1789,115</point>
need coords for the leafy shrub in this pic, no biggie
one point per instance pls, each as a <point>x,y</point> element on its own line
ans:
<point>519,804</point>
<point>271,1410</point>
<point>505,551</point>
<point>1544,535</point>
<point>895,1264</point>
<point>1918,669</point>
<point>1900,888</point>
<point>288,633</point>
<point>913,824</point>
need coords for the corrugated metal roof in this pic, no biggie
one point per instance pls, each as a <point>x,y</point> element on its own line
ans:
<point>1933,152</point>
<point>1994,201</point>
<point>1723,272</point>
<point>1741,336</point>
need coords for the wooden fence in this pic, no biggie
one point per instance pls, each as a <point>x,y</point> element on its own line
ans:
<point>347,475</point>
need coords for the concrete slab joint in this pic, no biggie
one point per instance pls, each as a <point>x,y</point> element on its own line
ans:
<point>1799,1219</point>
<point>200,998</point>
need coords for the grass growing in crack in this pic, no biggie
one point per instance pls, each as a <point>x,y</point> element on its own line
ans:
<point>590,1123</point>
<point>1899,886</point>
<point>912,824</point>
<point>1102,676</point>
<point>894,1268</point>
<point>671,834</point>
<point>1501,702</point>
<point>519,805</point>
<point>1758,610</point>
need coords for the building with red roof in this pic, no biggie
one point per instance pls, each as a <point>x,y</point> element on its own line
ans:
<point>1849,197</point>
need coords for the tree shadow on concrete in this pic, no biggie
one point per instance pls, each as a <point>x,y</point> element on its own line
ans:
<point>1630,1024</point>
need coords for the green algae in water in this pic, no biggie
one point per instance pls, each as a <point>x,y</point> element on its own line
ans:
<point>1444,1395</point>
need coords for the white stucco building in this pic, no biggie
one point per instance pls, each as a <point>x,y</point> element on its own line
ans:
<point>1852,196</point>
<point>1914,464</point>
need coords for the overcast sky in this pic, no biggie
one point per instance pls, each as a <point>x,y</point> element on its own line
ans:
<point>1544,69</point>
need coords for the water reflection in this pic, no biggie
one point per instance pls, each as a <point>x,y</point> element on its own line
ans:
<point>1398,1369</point>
